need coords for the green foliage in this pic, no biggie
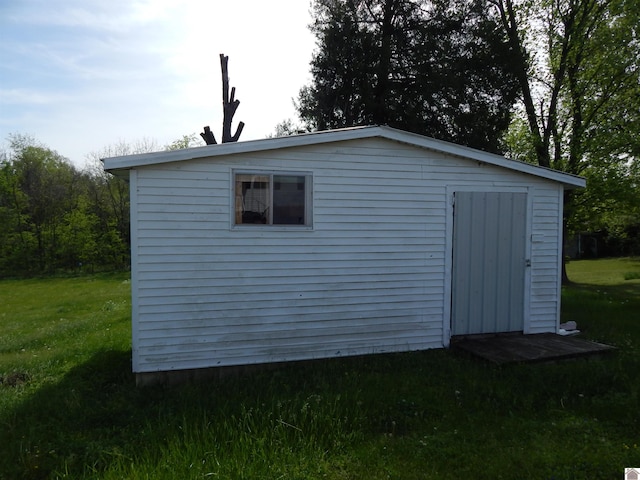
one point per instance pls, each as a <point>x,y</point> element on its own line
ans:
<point>186,141</point>
<point>77,236</point>
<point>415,65</point>
<point>518,143</point>
<point>579,76</point>
<point>75,412</point>
<point>285,128</point>
<point>56,217</point>
<point>611,206</point>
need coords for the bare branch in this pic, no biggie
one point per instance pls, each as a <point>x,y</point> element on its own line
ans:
<point>229,107</point>
<point>208,136</point>
<point>229,104</point>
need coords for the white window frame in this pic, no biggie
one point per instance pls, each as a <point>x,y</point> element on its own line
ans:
<point>308,200</point>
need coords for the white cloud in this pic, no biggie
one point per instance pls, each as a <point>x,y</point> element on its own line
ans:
<point>96,15</point>
<point>23,96</point>
<point>80,75</point>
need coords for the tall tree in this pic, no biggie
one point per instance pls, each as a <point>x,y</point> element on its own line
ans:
<point>109,196</point>
<point>38,187</point>
<point>440,68</point>
<point>574,59</point>
<point>578,65</point>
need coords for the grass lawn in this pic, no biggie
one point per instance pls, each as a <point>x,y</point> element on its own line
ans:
<point>69,407</point>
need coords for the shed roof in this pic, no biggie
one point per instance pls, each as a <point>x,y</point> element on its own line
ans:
<point>123,163</point>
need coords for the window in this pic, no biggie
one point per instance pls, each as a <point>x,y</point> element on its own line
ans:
<point>272,199</point>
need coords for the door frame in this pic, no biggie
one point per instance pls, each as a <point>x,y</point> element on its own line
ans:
<point>448,258</point>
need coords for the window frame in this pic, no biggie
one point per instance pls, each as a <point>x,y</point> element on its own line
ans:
<point>308,199</point>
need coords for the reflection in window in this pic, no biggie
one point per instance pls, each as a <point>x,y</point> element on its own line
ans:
<point>271,199</point>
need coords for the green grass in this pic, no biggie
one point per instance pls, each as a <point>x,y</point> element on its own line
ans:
<point>423,415</point>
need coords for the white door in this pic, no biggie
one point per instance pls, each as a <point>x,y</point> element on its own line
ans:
<point>489,261</point>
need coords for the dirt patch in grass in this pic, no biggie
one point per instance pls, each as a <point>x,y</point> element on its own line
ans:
<point>14,379</point>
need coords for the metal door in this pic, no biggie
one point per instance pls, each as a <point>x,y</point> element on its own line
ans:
<point>489,261</point>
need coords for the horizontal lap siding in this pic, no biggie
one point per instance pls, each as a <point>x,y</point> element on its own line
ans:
<point>545,258</point>
<point>367,278</point>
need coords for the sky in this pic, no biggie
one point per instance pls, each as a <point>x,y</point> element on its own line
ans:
<point>82,75</point>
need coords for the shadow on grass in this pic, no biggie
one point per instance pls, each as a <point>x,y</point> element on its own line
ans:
<point>608,313</point>
<point>629,291</point>
<point>95,415</point>
<point>63,428</point>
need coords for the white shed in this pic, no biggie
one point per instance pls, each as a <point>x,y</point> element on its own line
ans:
<point>346,242</point>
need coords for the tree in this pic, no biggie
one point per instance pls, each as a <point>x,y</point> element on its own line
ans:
<point>16,240</point>
<point>39,192</point>
<point>229,107</point>
<point>438,68</point>
<point>285,128</point>
<point>55,217</point>
<point>186,141</point>
<point>578,67</point>
<point>573,59</point>
<point>79,236</point>
<point>109,197</point>
<point>108,202</point>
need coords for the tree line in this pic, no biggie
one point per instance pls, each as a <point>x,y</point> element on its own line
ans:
<point>56,217</point>
<point>551,82</point>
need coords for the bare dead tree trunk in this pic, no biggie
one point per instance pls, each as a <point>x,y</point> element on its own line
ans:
<point>208,136</point>
<point>229,104</point>
<point>229,107</point>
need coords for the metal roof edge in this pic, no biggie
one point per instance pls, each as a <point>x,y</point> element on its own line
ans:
<point>115,164</point>
<point>290,141</point>
<point>483,157</point>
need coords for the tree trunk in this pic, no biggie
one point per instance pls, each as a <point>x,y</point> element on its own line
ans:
<point>229,107</point>
<point>208,136</point>
<point>229,104</point>
<point>510,25</point>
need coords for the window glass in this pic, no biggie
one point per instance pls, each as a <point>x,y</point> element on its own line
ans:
<point>252,191</point>
<point>288,200</point>
<point>271,199</point>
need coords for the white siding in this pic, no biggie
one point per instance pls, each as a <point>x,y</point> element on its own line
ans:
<point>368,277</point>
<point>546,251</point>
